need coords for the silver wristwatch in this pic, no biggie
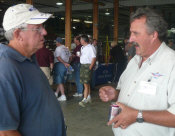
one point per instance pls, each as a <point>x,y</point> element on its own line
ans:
<point>140,117</point>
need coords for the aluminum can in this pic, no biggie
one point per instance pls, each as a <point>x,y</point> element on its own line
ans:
<point>78,53</point>
<point>114,110</point>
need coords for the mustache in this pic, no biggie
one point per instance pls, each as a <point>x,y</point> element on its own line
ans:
<point>134,43</point>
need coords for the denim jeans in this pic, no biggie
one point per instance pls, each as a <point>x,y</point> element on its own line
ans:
<point>76,67</point>
<point>59,73</point>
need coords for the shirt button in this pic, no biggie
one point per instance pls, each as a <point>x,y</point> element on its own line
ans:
<point>128,95</point>
<point>135,82</point>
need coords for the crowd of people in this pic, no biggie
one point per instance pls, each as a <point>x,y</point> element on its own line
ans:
<point>144,93</point>
<point>81,61</point>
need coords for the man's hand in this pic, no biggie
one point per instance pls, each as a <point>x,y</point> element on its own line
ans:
<point>10,133</point>
<point>126,117</point>
<point>107,93</point>
<point>66,65</point>
<point>51,72</point>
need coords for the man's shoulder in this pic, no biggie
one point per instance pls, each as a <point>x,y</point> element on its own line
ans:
<point>167,51</point>
<point>90,46</point>
<point>79,46</point>
<point>8,57</point>
<point>8,66</point>
<point>61,47</point>
<point>58,48</point>
<point>3,48</point>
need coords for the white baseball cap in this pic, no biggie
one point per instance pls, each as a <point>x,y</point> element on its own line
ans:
<point>23,13</point>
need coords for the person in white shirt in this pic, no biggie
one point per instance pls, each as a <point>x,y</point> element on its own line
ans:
<point>94,43</point>
<point>87,60</point>
<point>146,89</point>
<point>61,63</point>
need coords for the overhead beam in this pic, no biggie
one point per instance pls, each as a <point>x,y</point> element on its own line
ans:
<point>74,8</point>
<point>92,1</point>
<point>116,13</point>
<point>68,16</point>
<point>95,19</point>
<point>145,2</point>
<point>29,2</point>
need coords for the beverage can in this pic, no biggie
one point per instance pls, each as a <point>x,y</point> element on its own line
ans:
<point>70,70</point>
<point>97,63</point>
<point>114,110</point>
<point>78,53</point>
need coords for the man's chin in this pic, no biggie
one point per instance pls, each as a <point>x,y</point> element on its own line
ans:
<point>137,52</point>
<point>40,46</point>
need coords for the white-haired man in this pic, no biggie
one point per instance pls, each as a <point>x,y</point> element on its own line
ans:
<point>28,105</point>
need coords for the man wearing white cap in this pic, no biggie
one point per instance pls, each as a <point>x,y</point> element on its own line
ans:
<point>28,105</point>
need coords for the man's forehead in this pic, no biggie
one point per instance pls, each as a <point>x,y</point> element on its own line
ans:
<point>34,25</point>
<point>141,20</point>
<point>138,24</point>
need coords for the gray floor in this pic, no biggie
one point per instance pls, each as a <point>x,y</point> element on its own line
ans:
<point>88,121</point>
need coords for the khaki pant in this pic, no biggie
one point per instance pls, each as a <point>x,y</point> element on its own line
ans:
<point>85,74</point>
<point>46,71</point>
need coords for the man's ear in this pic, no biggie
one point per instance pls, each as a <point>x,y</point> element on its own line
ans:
<point>17,34</point>
<point>155,35</point>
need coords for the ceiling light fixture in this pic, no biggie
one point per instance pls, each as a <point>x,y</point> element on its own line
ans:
<point>59,3</point>
<point>107,12</point>
<point>62,18</point>
<point>76,20</point>
<point>88,22</point>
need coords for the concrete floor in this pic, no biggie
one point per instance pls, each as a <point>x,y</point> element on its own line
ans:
<point>88,121</point>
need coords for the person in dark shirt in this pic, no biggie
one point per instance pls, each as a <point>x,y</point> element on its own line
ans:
<point>118,57</point>
<point>45,60</point>
<point>76,66</point>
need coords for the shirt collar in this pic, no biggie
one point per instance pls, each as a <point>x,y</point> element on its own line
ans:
<point>14,54</point>
<point>152,57</point>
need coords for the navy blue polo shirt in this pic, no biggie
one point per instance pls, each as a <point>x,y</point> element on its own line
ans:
<point>27,103</point>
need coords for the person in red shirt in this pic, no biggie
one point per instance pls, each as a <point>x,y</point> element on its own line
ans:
<point>45,60</point>
<point>76,67</point>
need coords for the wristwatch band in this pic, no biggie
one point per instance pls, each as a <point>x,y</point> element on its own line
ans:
<point>140,117</point>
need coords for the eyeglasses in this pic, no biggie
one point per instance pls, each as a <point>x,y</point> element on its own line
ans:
<point>39,30</point>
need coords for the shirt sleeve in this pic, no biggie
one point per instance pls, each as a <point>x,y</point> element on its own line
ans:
<point>58,52</point>
<point>171,92</point>
<point>93,52</point>
<point>75,50</point>
<point>9,97</point>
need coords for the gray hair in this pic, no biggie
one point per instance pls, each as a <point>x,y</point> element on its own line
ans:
<point>154,21</point>
<point>113,43</point>
<point>9,34</point>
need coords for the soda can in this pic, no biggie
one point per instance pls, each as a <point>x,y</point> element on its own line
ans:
<point>114,110</point>
<point>78,53</point>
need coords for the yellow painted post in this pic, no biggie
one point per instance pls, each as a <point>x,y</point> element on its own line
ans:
<point>107,50</point>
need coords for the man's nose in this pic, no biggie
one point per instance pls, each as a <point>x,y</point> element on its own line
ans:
<point>44,32</point>
<point>131,38</point>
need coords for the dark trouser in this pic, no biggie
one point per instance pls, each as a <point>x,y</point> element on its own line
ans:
<point>120,67</point>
